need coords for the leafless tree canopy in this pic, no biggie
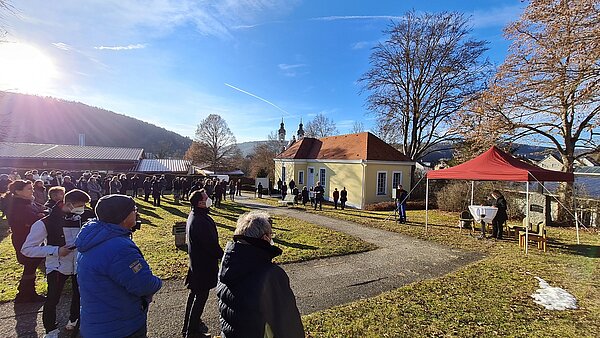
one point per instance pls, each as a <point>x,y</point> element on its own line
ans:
<point>420,76</point>
<point>261,159</point>
<point>214,144</point>
<point>357,127</point>
<point>320,126</point>
<point>548,89</point>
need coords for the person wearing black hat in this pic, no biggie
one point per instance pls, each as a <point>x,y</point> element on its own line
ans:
<point>115,282</point>
<point>204,251</point>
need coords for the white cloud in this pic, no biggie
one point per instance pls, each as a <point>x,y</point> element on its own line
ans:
<point>362,44</point>
<point>128,47</point>
<point>284,66</point>
<point>214,18</point>
<point>290,69</point>
<point>61,45</point>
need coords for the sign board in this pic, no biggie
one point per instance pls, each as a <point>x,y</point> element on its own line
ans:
<point>263,180</point>
<point>536,208</point>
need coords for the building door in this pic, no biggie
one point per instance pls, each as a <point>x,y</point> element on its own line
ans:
<point>310,182</point>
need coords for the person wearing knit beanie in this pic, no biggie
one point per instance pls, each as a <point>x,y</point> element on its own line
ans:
<point>116,209</point>
<point>115,281</point>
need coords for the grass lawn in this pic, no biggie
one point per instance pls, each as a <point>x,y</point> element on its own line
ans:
<point>299,240</point>
<point>488,298</point>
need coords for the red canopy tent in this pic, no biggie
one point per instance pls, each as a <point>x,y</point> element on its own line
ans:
<point>496,165</point>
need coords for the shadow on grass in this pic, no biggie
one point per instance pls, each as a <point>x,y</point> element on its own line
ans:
<point>586,250</point>
<point>148,212</point>
<point>228,227</point>
<point>147,221</point>
<point>175,211</point>
<point>294,245</point>
<point>234,208</point>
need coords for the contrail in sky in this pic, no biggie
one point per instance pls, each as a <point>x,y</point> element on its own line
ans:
<point>256,96</point>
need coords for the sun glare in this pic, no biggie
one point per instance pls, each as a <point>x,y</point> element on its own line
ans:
<point>25,69</point>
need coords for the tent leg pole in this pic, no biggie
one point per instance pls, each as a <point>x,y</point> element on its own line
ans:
<point>576,218</point>
<point>527,225</point>
<point>472,190</point>
<point>426,204</point>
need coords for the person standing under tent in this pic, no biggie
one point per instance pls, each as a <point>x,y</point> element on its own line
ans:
<point>501,215</point>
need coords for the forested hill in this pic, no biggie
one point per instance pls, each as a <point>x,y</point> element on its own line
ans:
<point>34,119</point>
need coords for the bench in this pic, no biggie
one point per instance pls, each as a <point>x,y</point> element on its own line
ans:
<point>287,201</point>
<point>538,236</point>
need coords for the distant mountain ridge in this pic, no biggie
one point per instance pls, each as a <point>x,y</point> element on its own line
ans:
<point>247,148</point>
<point>35,119</point>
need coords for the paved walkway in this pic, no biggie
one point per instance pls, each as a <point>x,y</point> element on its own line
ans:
<point>318,284</point>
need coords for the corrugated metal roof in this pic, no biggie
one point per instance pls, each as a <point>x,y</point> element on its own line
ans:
<point>588,170</point>
<point>163,165</point>
<point>68,152</point>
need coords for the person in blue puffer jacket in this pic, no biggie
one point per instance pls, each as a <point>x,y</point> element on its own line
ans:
<point>115,282</point>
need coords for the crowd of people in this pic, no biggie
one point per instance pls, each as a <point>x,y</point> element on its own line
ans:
<point>82,230</point>
<point>315,195</point>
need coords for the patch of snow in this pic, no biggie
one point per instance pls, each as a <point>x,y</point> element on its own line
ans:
<point>553,298</point>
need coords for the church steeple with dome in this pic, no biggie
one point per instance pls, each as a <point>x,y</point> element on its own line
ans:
<point>300,130</point>
<point>281,132</point>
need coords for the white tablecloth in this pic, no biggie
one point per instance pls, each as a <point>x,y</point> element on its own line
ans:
<point>482,212</point>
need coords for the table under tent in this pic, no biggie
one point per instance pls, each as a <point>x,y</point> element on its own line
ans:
<point>497,165</point>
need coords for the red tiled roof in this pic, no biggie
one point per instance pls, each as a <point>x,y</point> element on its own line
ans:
<point>361,146</point>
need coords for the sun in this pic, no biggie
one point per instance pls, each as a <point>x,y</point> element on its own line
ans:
<point>25,69</point>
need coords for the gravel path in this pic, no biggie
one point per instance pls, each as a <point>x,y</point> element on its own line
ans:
<point>318,284</point>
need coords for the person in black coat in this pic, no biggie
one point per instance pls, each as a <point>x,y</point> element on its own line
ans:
<point>204,253</point>
<point>255,297</point>
<point>343,197</point>
<point>147,188</point>
<point>156,191</point>
<point>401,197</point>
<point>319,193</point>
<point>218,194</point>
<point>501,215</point>
<point>305,196</point>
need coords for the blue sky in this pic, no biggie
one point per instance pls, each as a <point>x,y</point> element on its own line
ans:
<point>172,63</point>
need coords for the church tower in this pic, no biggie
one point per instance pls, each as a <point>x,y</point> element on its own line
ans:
<point>300,130</point>
<point>282,132</point>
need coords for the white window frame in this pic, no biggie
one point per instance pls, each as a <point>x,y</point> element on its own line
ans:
<point>377,193</point>
<point>323,177</point>
<point>395,184</point>
<point>301,177</point>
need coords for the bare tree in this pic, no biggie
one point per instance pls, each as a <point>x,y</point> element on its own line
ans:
<point>320,126</point>
<point>357,127</point>
<point>214,144</point>
<point>261,159</point>
<point>548,89</point>
<point>420,76</point>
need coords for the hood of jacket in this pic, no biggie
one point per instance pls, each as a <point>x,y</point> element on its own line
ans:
<point>245,256</point>
<point>96,232</point>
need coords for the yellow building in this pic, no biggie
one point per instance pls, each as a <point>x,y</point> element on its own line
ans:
<point>368,167</point>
